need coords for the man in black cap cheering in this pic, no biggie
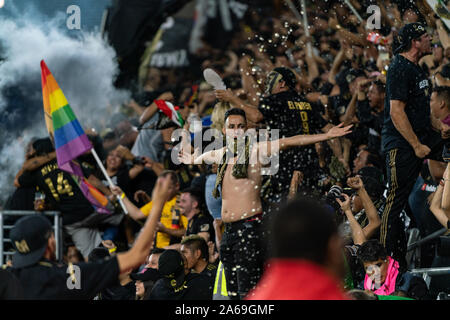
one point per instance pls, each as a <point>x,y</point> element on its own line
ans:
<point>41,278</point>
<point>407,135</point>
<point>177,282</point>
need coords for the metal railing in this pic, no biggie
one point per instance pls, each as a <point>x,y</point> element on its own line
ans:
<point>427,273</point>
<point>57,227</point>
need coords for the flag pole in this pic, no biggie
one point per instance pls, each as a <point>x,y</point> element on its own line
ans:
<point>353,10</point>
<point>100,164</point>
<point>306,26</point>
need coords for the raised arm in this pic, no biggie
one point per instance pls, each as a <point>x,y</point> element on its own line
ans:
<point>302,140</point>
<point>185,155</point>
<point>248,82</point>
<point>371,211</point>
<point>359,95</point>
<point>133,211</point>
<point>151,109</point>
<point>358,235</point>
<point>139,252</point>
<point>252,113</point>
<point>443,34</point>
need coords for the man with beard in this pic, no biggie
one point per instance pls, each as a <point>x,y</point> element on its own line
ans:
<point>407,135</point>
<point>239,176</point>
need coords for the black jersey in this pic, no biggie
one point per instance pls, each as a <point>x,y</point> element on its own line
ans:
<point>406,82</point>
<point>201,222</point>
<point>291,114</point>
<point>48,281</point>
<point>60,190</point>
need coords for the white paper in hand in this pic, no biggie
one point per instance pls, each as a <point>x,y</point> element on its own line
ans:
<point>214,79</point>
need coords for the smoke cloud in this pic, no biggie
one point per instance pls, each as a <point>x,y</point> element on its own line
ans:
<point>83,65</point>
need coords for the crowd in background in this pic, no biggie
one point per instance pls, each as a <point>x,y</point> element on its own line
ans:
<point>342,79</point>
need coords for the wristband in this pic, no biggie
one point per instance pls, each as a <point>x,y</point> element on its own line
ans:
<point>122,195</point>
<point>112,250</point>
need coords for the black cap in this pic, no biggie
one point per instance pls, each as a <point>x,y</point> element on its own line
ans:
<point>373,172</point>
<point>346,76</point>
<point>288,76</point>
<point>352,74</point>
<point>171,267</point>
<point>29,237</point>
<point>147,275</point>
<point>408,33</point>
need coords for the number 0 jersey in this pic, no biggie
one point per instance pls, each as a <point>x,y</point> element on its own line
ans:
<point>292,114</point>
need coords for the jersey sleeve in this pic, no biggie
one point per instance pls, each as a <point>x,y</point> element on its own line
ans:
<point>265,107</point>
<point>146,209</point>
<point>93,277</point>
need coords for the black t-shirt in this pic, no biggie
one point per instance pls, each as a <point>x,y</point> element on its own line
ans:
<point>291,114</point>
<point>48,281</point>
<point>10,287</point>
<point>210,271</point>
<point>195,287</point>
<point>122,179</point>
<point>201,222</point>
<point>60,190</point>
<point>406,82</point>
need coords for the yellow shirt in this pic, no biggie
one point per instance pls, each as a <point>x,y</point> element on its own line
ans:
<point>171,218</point>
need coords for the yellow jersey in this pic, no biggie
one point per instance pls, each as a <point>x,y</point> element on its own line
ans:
<point>171,218</point>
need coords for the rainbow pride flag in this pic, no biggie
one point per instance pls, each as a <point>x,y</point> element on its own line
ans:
<point>62,125</point>
<point>68,136</point>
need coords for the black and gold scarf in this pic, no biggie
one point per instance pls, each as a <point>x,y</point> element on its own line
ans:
<point>239,169</point>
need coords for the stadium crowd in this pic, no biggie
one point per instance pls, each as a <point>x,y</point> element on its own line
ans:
<point>362,119</point>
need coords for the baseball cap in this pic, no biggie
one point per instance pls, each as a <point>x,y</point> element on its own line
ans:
<point>29,237</point>
<point>408,33</point>
<point>171,267</point>
<point>147,275</point>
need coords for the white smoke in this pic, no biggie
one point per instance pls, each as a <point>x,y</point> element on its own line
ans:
<point>84,68</point>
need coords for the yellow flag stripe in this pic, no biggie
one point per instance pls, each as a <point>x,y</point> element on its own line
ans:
<point>57,100</point>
